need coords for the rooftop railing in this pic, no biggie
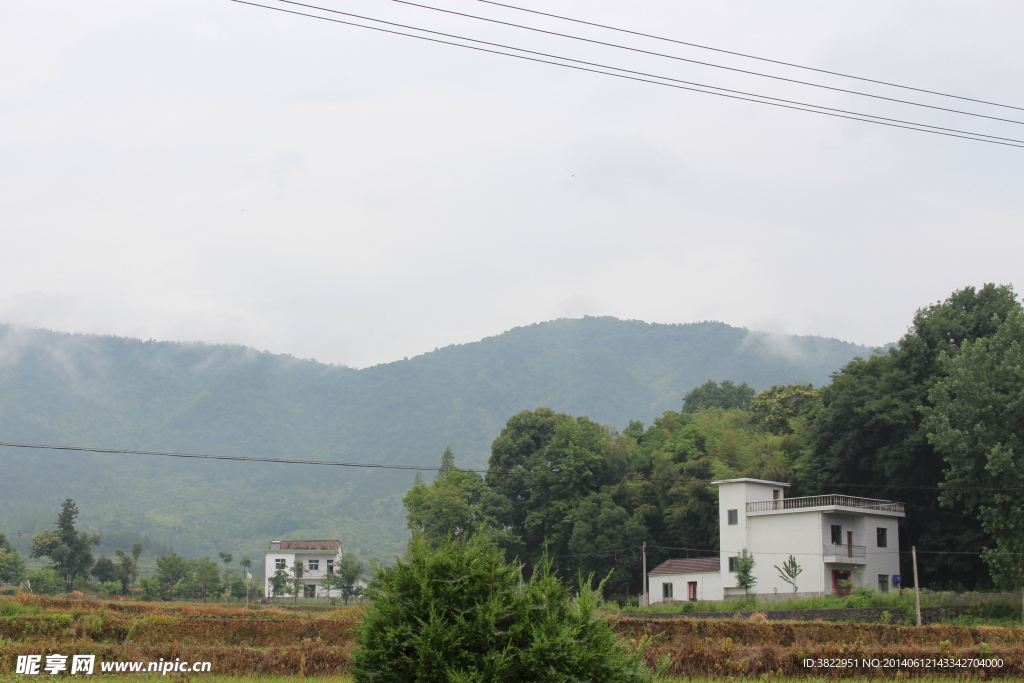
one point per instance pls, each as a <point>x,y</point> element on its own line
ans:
<point>824,501</point>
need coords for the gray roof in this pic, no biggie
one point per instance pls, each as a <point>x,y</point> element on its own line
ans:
<point>305,545</point>
<point>693,565</point>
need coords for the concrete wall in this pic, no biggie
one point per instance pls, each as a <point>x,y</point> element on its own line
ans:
<point>773,538</point>
<point>709,586</point>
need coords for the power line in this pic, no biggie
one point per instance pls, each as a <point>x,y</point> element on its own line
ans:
<point>749,56</point>
<point>488,472</point>
<point>644,77</point>
<point>683,59</point>
<point>881,121</point>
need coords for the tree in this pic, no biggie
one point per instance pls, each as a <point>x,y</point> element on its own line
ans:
<point>348,572</point>
<point>246,564</point>
<point>778,406</point>
<point>977,424</point>
<point>789,571</point>
<point>173,573</point>
<point>12,567</point>
<point>744,567</point>
<point>460,613</point>
<point>296,583</point>
<point>713,395</point>
<point>128,570</point>
<point>137,549</point>
<point>46,582</point>
<point>452,506</point>
<point>69,550</point>
<point>205,577</point>
<point>278,583</point>
<point>867,435</point>
<point>106,571</point>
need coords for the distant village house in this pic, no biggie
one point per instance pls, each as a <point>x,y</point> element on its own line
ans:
<point>839,542</point>
<point>318,558</point>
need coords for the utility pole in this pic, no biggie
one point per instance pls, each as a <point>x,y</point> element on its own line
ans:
<point>917,586</point>
<point>644,602</point>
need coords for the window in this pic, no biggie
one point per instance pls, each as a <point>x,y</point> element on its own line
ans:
<point>330,566</point>
<point>279,563</point>
<point>882,537</point>
<point>883,580</point>
<point>775,494</point>
<point>734,517</point>
<point>732,563</point>
<point>666,591</point>
<point>314,565</point>
<point>837,534</point>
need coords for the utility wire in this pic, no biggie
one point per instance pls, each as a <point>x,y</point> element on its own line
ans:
<point>684,59</point>
<point>748,56</point>
<point>777,102</point>
<point>334,463</point>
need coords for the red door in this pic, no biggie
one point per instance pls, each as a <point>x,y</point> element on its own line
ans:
<point>840,582</point>
<point>691,591</point>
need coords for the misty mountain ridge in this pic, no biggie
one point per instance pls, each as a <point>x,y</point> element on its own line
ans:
<point>193,397</point>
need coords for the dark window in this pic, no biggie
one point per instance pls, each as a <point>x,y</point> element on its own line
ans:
<point>666,591</point>
<point>732,563</point>
<point>330,566</point>
<point>775,494</point>
<point>883,581</point>
<point>837,534</point>
<point>882,537</point>
<point>734,517</point>
<point>314,565</point>
<point>279,563</point>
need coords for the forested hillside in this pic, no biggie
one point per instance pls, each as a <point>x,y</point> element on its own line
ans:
<point>112,392</point>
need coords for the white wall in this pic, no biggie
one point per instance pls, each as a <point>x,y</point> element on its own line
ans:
<point>773,538</point>
<point>308,576</point>
<point>709,586</point>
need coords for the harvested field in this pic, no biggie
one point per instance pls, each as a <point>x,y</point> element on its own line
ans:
<point>269,641</point>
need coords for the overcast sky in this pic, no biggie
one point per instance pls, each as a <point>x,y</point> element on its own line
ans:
<point>205,170</point>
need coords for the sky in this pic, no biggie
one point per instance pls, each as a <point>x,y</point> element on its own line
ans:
<point>207,170</point>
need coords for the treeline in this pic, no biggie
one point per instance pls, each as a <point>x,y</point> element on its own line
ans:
<point>937,422</point>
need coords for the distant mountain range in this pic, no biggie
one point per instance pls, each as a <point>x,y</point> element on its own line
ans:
<point>114,392</point>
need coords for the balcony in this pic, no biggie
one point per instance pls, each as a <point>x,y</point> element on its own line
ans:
<point>829,501</point>
<point>847,554</point>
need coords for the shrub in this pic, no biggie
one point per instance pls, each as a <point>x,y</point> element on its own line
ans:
<point>460,613</point>
<point>47,582</point>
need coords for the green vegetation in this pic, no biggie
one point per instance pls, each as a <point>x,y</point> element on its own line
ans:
<point>459,612</point>
<point>198,398</point>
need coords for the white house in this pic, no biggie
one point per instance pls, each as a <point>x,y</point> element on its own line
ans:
<point>318,558</point>
<point>838,541</point>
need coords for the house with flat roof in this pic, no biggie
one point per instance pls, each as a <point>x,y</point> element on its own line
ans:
<point>318,558</point>
<point>839,542</point>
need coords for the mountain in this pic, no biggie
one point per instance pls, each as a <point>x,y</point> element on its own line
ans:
<point>121,393</point>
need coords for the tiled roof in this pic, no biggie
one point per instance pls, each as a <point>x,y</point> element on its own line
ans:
<point>305,545</point>
<point>688,566</point>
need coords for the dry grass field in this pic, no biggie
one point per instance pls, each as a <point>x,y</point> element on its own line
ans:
<point>269,644</point>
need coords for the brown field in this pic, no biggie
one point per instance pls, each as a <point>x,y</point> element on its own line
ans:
<point>270,641</point>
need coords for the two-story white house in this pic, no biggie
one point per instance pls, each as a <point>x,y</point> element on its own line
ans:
<point>839,542</point>
<point>318,558</point>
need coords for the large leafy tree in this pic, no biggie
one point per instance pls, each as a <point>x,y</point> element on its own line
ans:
<point>867,435</point>
<point>711,394</point>
<point>977,424</point>
<point>69,550</point>
<point>455,505</point>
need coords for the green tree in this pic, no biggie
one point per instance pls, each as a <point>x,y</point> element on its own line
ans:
<point>205,577</point>
<point>128,569</point>
<point>711,394</point>
<point>173,573</point>
<point>744,567</point>
<point>789,571</point>
<point>344,578</point>
<point>606,538</point>
<point>46,582</point>
<point>296,584</point>
<point>278,583</point>
<point>977,424</point>
<point>12,567</point>
<point>460,613</point>
<point>137,549</point>
<point>106,571</point>
<point>69,551</point>
<point>776,408</point>
<point>246,564</point>
<point>867,435</point>
<point>453,505</point>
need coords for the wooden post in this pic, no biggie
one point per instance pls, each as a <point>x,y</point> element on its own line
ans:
<point>644,600</point>
<point>917,586</point>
